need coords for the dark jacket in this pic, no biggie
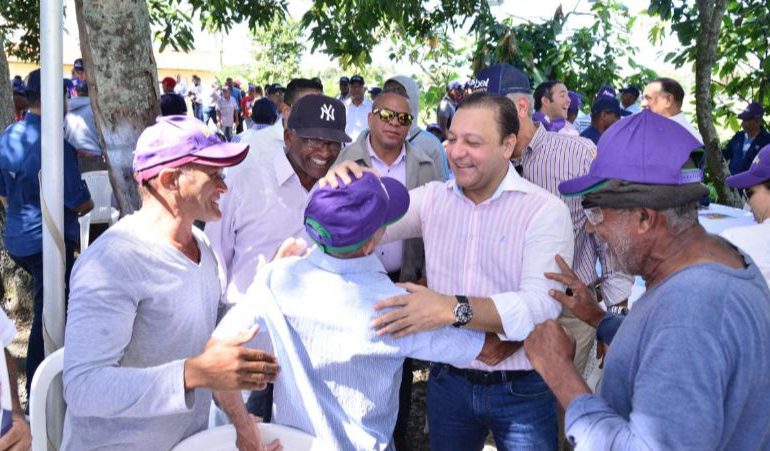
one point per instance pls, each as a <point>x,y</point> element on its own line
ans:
<point>734,150</point>
<point>420,169</point>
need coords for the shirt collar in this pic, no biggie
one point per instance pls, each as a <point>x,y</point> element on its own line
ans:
<point>511,182</point>
<point>369,263</point>
<point>374,156</point>
<point>536,140</point>
<point>282,167</point>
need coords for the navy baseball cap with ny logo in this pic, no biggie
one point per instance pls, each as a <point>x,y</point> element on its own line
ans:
<point>319,116</point>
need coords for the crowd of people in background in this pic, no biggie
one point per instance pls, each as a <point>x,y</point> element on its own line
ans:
<point>500,242</point>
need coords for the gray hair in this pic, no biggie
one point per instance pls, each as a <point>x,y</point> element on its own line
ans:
<point>515,96</point>
<point>682,216</point>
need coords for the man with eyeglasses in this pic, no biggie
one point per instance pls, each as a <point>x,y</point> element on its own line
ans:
<point>687,367</point>
<point>384,147</point>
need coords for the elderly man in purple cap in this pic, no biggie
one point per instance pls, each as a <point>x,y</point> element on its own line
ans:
<point>339,379</point>
<point>744,145</point>
<point>687,367</point>
<point>755,239</point>
<point>138,371</point>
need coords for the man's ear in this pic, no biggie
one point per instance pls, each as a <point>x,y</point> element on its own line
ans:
<point>168,178</point>
<point>647,219</point>
<point>509,145</point>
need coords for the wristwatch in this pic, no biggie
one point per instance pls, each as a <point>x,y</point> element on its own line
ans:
<point>463,311</point>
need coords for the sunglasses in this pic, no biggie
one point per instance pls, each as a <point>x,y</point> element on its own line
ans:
<point>387,116</point>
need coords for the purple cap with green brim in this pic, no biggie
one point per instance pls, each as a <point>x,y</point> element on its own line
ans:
<point>758,172</point>
<point>644,148</point>
<point>343,219</point>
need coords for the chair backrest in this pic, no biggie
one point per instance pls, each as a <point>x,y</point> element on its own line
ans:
<point>101,192</point>
<point>41,382</point>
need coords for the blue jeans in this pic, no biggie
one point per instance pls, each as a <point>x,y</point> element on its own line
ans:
<point>197,111</point>
<point>209,113</point>
<point>33,264</point>
<point>521,413</point>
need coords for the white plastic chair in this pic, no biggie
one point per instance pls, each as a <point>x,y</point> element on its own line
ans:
<point>222,438</point>
<point>103,213</point>
<point>41,382</point>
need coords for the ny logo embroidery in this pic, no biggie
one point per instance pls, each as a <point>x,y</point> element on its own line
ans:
<point>327,112</point>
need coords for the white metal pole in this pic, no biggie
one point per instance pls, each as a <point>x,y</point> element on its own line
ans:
<point>52,173</point>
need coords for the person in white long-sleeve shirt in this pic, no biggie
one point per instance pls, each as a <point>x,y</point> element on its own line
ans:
<point>144,299</point>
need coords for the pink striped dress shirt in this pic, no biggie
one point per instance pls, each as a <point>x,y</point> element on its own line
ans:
<point>499,248</point>
<point>551,158</point>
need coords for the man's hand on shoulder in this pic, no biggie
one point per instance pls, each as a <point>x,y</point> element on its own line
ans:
<point>420,310</point>
<point>228,365</point>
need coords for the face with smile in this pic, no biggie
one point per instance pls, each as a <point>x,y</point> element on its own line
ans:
<point>311,158</point>
<point>388,135</point>
<point>557,106</point>
<point>200,187</point>
<point>656,100</point>
<point>477,153</point>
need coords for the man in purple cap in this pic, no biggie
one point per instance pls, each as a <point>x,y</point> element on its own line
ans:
<point>575,103</point>
<point>744,145</point>
<point>489,238</point>
<point>754,239</point>
<point>138,370</point>
<point>338,377</point>
<point>687,368</point>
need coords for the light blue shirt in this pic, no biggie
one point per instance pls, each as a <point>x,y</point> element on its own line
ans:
<point>339,381</point>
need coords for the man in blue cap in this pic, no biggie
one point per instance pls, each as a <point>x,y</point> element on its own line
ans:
<point>339,378</point>
<point>745,144</point>
<point>754,239</point>
<point>604,112</point>
<point>448,104</point>
<point>20,160</point>
<point>687,367</point>
<point>628,97</point>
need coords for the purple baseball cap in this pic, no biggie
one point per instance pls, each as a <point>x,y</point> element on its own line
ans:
<point>606,91</point>
<point>752,111</point>
<point>345,218</point>
<point>501,79</point>
<point>644,148</point>
<point>758,172</point>
<point>575,102</point>
<point>174,141</point>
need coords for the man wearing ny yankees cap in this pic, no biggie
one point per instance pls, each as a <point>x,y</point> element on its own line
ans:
<point>265,204</point>
<point>339,379</point>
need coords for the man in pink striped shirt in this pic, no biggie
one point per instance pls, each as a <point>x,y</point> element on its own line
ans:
<point>489,238</point>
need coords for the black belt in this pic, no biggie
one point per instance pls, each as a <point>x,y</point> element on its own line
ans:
<point>480,377</point>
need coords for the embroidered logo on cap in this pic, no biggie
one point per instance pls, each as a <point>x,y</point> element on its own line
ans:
<point>327,112</point>
<point>756,160</point>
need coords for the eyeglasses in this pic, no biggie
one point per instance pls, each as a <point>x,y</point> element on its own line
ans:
<point>318,144</point>
<point>387,116</point>
<point>594,215</point>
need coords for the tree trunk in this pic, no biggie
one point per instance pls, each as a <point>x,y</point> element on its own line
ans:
<point>710,14</point>
<point>15,283</point>
<point>116,44</point>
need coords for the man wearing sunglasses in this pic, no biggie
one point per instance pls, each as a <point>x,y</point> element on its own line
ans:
<point>687,367</point>
<point>385,148</point>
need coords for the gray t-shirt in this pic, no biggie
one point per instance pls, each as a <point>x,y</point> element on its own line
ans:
<point>137,309</point>
<point>689,368</point>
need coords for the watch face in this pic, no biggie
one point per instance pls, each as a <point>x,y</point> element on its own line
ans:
<point>463,313</point>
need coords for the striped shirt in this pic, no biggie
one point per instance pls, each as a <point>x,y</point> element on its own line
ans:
<point>551,158</point>
<point>499,248</point>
